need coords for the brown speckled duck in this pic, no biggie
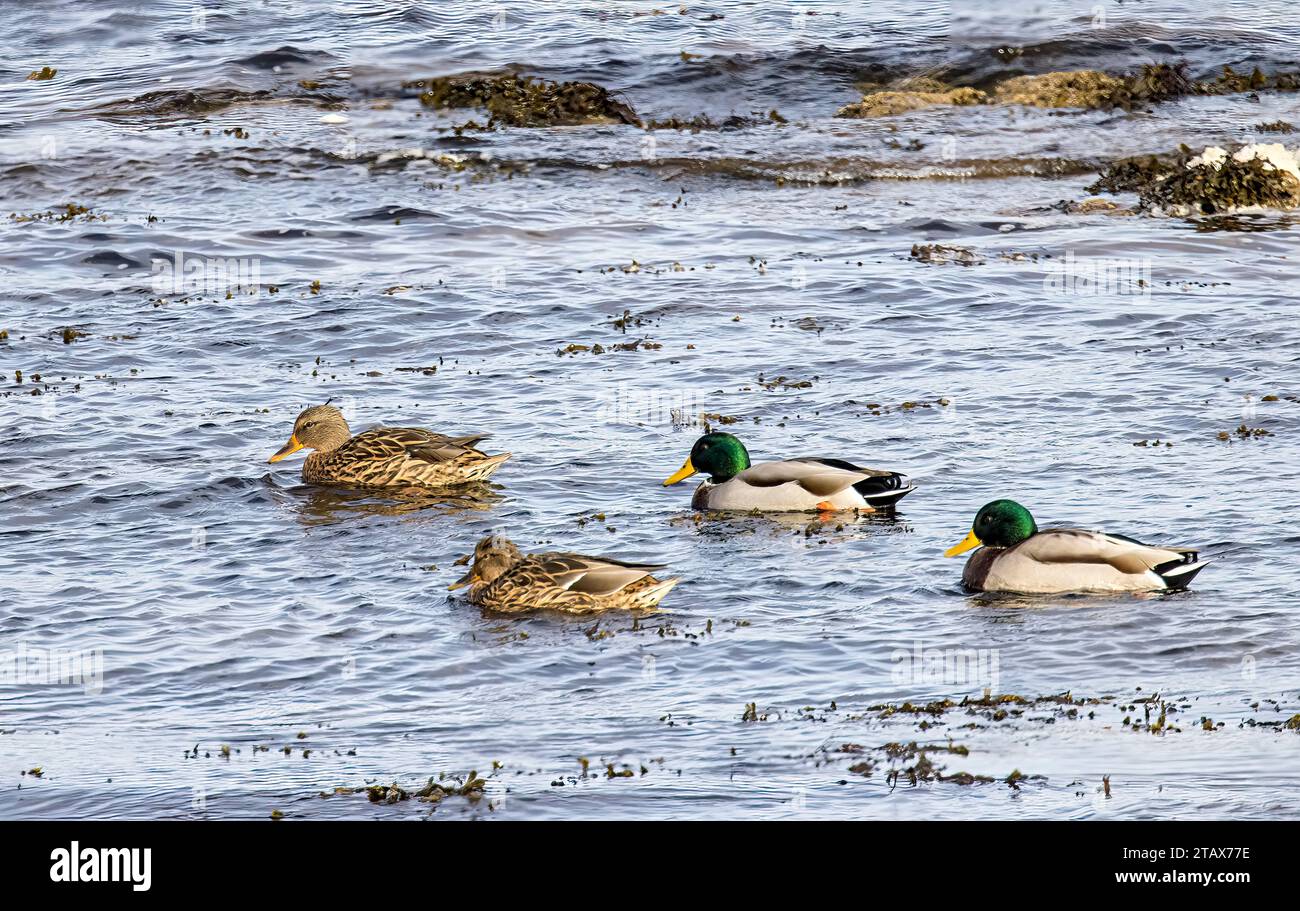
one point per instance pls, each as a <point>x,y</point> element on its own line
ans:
<point>384,456</point>
<point>504,579</point>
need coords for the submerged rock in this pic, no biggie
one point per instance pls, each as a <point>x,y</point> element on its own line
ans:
<point>174,102</point>
<point>1077,89</point>
<point>525,101</point>
<point>1093,89</point>
<point>889,103</point>
<point>1082,89</point>
<point>1097,205</point>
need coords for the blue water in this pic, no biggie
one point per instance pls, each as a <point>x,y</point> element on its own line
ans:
<point>200,597</point>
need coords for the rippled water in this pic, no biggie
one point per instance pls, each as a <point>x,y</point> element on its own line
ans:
<point>231,605</point>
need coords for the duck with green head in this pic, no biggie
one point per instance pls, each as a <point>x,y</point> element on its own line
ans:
<point>791,485</point>
<point>1014,555</point>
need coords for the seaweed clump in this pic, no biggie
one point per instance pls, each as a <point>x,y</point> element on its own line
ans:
<point>1211,183</point>
<point>1135,173</point>
<point>702,122</point>
<point>942,254</point>
<point>1160,82</point>
<point>912,764</point>
<point>1231,82</point>
<point>471,788</point>
<point>525,101</point>
<point>1255,176</point>
<point>69,212</point>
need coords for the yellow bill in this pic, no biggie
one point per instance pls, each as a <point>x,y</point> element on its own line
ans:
<point>287,449</point>
<point>682,474</point>
<point>970,542</point>
<point>462,581</point>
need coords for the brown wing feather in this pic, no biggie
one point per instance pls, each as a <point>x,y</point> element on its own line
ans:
<point>593,575</point>
<point>390,442</point>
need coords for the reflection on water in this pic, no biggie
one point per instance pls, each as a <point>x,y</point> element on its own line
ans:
<point>825,527</point>
<point>331,505</point>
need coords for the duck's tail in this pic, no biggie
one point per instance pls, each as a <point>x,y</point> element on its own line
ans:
<point>650,596</point>
<point>1178,574</point>
<point>483,469</point>
<point>884,491</point>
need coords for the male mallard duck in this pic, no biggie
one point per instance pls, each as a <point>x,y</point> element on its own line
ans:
<point>788,486</point>
<point>503,579</point>
<point>1017,557</point>
<point>384,456</point>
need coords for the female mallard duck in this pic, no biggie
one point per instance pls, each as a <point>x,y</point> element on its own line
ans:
<point>792,485</point>
<point>1017,557</point>
<point>503,579</point>
<point>384,456</point>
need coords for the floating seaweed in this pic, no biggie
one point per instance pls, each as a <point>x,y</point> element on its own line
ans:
<point>69,212</point>
<point>1244,433</point>
<point>1231,82</point>
<point>703,122</point>
<point>912,763</point>
<point>941,254</point>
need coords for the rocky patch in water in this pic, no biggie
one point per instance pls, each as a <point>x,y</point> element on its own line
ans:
<point>185,102</point>
<point>525,101</point>
<point>1082,89</point>
<point>1213,182</point>
<point>911,95</point>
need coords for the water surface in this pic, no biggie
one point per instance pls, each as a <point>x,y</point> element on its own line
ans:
<point>231,605</point>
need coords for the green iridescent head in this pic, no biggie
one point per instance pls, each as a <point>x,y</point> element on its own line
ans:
<point>719,455</point>
<point>1002,523</point>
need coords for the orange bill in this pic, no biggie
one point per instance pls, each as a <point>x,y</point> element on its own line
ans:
<point>287,449</point>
